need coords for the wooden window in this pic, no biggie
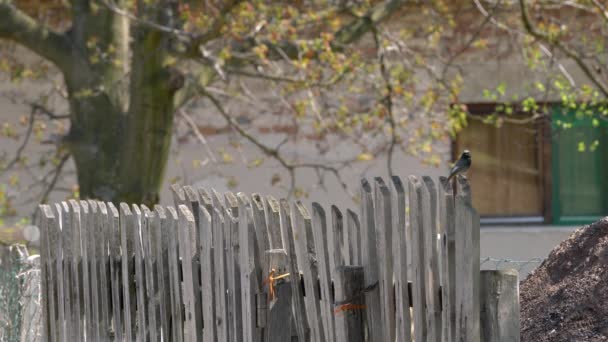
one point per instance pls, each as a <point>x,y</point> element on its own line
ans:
<point>507,179</point>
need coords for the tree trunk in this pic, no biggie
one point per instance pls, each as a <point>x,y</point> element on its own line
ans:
<point>121,122</point>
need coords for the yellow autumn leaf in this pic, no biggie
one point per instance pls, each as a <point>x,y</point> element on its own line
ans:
<point>365,156</point>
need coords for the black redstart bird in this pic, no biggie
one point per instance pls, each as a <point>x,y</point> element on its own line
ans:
<point>462,165</point>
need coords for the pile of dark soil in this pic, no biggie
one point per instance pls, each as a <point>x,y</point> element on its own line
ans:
<point>566,298</point>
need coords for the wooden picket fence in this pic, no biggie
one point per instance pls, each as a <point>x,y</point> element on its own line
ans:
<point>225,267</point>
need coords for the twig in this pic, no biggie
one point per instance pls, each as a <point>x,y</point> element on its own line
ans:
<point>198,134</point>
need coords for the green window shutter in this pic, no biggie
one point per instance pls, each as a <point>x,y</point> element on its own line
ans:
<point>579,165</point>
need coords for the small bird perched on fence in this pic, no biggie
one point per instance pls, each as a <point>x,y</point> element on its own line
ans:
<point>462,165</point>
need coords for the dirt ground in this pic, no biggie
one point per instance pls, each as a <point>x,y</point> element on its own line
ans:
<point>566,297</point>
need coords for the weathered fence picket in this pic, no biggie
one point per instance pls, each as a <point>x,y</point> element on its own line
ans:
<point>225,267</point>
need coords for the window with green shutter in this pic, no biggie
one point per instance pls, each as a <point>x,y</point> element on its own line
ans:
<point>580,165</point>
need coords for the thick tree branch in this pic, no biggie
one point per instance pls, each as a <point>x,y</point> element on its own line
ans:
<point>533,31</point>
<point>17,26</point>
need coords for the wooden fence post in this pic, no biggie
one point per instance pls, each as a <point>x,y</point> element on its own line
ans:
<point>448,258</point>
<point>499,299</point>
<point>384,244</point>
<point>400,249</point>
<point>418,272</point>
<point>467,265</point>
<point>349,284</point>
<point>369,258</point>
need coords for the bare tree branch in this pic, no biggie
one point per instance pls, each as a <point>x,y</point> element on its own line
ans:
<point>17,26</point>
<point>533,31</point>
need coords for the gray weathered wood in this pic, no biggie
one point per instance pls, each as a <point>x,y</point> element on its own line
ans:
<point>62,255</point>
<point>127,226</point>
<point>102,232</point>
<point>150,262</point>
<point>384,244</point>
<point>320,253</point>
<point>234,251</point>
<point>418,265</point>
<point>142,331</point>
<point>448,258</point>
<point>274,224</point>
<point>299,310</point>
<point>279,311</point>
<point>177,328</point>
<point>261,246</point>
<point>193,201</point>
<point>160,236</point>
<point>369,261</point>
<point>431,259</point>
<point>218,226</point>
<point>250,270</point>
<point>207,274</point>
<point>232,311</point>
<point>193,321</point>
<point>307,262</point>
<point>400,248</point>
<point>86,249</point>
<point>349,284</point>
<point>499,306</point>
<point>93,241</point>
<point>48,226</point>
<point>115,258</point>
<point>354,237</point>
<point>467,266</point>
<point>338,243</point>
<point>76,275</point>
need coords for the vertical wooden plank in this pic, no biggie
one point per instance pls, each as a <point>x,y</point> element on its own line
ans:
<point>250,270</point>
<point>400,248</point>
<point>63,256</point>
<point>384,243</point>
<point>205,199</point>
<point>307,260</point>
<point>179,196</point>
<point>142,331</point>
<point>192,322</point>
<point>467,265</point>
<point>207,274</point>
<point>150,264</point>
<point>261,246</point>
<point>337,241</point>
<point>274,224</point>
<point>102,232</point>
<point>177,329</point>
<point>127,226</point>
<point>115,260</point>
<point>418,265</point>
<point>448,258</point>
<point>320,251</point>
<point>92,242</point>
<point>354,237</point>
<point>193,201</point>
<point>369,260</point>
<point>48,226</point>
<point>76,275</point>
<point>431,259</point>
<point>499,306</point>
<point>160,235</point>
<point>85,227</point>
<point>349,285</point>
<point>278,323</point>
<point>218,224</point>
<point>234,253</point>
<point>294,273</point>
<point>64,265</point>
<point>231,226</point>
